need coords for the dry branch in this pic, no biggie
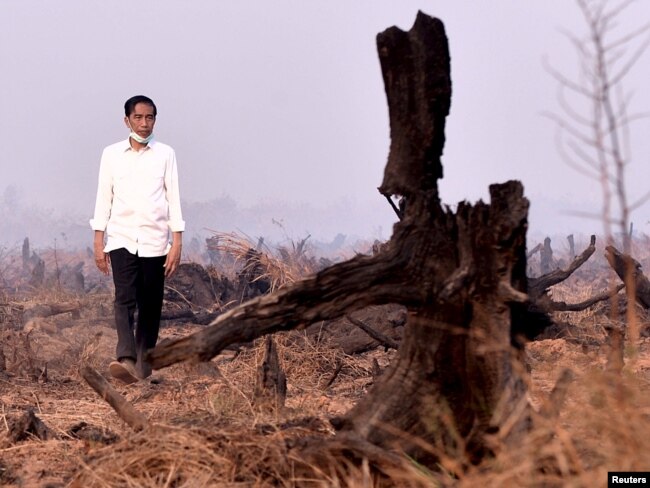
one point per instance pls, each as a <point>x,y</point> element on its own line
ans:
<point>335,374</point>
<point>342,288</point>
<point>534,251</point>
<point>546,303</point>
<point>386,341</point>
<point>124,409</point>
<point>538,286</point>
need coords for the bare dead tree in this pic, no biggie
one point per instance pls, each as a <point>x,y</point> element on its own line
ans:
<point>594,128</point>
<point>594,136</point>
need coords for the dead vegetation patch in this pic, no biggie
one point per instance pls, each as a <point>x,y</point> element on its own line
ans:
<point>205,430</point>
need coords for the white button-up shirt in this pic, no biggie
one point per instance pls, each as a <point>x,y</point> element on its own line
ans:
<point>138,201</point>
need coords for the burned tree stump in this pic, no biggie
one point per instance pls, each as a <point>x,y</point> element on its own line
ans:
<point>546,257</point>
<point>459,380</point>
<point>271,385</point>
<point>572,246</point>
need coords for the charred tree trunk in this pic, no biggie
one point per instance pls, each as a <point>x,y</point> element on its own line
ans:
<point>459,382</point>
<point>572,246</point>
<point>546,257</point>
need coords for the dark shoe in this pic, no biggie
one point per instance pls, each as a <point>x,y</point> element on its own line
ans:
<point>124,371</point>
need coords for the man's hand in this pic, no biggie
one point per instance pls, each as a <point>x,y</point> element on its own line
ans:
<point>102,259</point>
<point>173,259</point>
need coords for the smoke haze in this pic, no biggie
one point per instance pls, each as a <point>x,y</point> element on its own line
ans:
<point>277,111</point>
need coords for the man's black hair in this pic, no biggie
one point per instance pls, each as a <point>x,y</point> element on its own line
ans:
<point>129,105</point>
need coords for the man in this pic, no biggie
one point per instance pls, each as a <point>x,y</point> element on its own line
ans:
<point>137,207</point>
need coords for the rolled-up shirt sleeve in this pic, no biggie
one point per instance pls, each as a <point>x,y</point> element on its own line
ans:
<point>175,221</point>
<point>104,198</point>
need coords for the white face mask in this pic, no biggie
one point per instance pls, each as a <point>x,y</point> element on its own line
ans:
<point>139,138</point>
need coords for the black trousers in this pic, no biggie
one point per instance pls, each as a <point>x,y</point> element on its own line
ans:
<point>139,285</point>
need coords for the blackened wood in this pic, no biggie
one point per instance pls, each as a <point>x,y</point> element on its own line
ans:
<point>386,341</point>
<point>397,211</point>
<point>389,320</point>
<point>624,263</point>
<point>459,376</point>
<point>92,433</point>
<point>124,409</point>
<point>200,317</point>
<point>549,305</point>
<point>572,246</point>
<point>546,257</point>
<point>416,72</point>
<point>26,426</point>
<point>376,369</point>
<point>539,286</point>
<point>271,384</point>
<point>341,288</point>
<point>335,374</point>
<point>192,285</point>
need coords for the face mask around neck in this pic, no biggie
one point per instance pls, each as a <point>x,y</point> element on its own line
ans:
<point>138,138</point>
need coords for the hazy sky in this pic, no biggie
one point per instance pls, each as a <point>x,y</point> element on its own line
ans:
<point>283,100</point>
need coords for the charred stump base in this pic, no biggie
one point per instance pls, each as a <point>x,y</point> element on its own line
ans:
<point>458,387</point>
<point>271,383</point>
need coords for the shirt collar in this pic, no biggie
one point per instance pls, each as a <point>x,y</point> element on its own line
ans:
<point>126,145</point>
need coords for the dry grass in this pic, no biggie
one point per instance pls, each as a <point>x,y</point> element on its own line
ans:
<point>282,267</point>
<point>182,457</point>
<point>205,430</point>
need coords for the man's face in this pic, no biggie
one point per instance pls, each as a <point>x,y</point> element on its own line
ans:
<point>141,120</point>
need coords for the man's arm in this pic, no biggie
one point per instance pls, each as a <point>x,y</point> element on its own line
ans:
<point>175,222</point>
<point>172,194</point>
<point>102,259</point>
<point>174,254</point>
<point>103,204</point>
